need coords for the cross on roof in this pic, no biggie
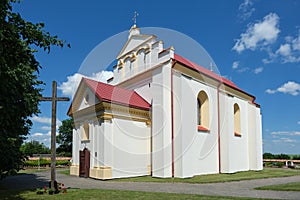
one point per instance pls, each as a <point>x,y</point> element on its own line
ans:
<point>134,17</point>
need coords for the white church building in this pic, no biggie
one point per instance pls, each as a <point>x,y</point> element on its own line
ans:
<point>163,115</point>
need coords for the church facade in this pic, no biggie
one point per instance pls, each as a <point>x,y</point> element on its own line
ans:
<point>165,116</point>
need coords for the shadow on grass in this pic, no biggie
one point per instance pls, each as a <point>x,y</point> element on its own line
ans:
<point>11,187</point>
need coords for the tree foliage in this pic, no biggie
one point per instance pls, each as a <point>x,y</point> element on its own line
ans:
<point>276,156</point>
<point>34,147</point>
<point>64,138</point>
<point>20,88</point>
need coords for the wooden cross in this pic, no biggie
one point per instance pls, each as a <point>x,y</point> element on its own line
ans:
<point>54,99</point>
<point>134,17</point>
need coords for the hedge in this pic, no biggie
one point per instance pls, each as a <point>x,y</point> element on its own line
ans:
<point>44,163</point>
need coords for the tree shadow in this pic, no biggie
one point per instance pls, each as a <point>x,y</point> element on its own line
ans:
<point>11,187</point>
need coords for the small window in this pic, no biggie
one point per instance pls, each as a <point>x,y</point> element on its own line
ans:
<point>86,99</point>
<point>203,112</point>
<point>119,69</point>
<point>237,120</point>
<point>85,132</point>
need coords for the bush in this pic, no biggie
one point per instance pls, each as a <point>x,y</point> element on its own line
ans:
<point>296,157</point>
<point>278,164</point>
<point>36,163</point>
<point>282,156</point>
<point>268,156</point>
<point>44,163</point>
<point>63,162</point>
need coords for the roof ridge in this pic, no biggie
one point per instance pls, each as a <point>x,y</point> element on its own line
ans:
<point>121,96</point>
<point>198,68</point>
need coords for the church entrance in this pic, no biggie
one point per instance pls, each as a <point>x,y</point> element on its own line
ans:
<point>84,164</point>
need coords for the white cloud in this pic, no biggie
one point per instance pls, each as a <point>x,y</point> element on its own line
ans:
<point>243,69</point>
<point>235,65</point>
<point>284,140</point>
<point>269,91</point>
<point>46,128</point>
<point>298,122</point>
<point>284,50</point>
<point>288,140</point>
<point>258,70</point>
<point>41,137</point>
<point>262,33</point>
<point>246,10</point>
<point>290,87</point>
<point>69,87</point>
<point>296,42</point>
<point>290,51</point>
<point>37,134</point>
<point>43,120</point>
<point>292,133</point>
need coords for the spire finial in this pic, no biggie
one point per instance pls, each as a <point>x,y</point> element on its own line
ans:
<point>134,18</point>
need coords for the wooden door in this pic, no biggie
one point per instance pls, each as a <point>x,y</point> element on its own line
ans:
<point>84,163</point>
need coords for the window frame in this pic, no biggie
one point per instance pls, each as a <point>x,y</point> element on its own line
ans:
<point>237,120</point>
<point>85,136</point>
<point>203,112</point>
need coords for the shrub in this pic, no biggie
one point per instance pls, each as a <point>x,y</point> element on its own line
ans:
<point>278,164</point>
<point>63,162</point>
<point>44,163</point>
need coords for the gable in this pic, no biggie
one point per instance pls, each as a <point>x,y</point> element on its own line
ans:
<point>134,42</point>
<point>101,92</point>
<point>87,99</point>
<point>83,98</point>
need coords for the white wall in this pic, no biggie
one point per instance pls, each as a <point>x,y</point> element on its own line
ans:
<point>198,151</point>
<point>75,146</point>
<point>98,144</point>
<point>245,152</point>
<point>161,122</point>
<point>225,122</point>
<point>255,138</point>
<point>131,148</point>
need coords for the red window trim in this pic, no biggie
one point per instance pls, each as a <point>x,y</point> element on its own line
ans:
<point>237,134</point>
<point>202,128</point>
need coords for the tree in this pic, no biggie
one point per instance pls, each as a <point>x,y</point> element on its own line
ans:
<point>19,88</point>
<point>34,147</point>
<point>64,138</point>
<point>268,156</point>
<point>296,157</point>
<point>282,156</point>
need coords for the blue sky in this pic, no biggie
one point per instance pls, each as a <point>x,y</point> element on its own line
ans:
<point>254,43</point>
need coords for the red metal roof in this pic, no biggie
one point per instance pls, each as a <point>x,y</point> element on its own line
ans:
<point>207,72</point>
<point>114,94</point>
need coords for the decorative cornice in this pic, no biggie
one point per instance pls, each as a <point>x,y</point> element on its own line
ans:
<point>107,111</point>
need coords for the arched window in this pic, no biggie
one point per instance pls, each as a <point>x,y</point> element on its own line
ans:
<point>127,67</point>
<point>140,60</point>
<point>85,132</point>
<point>203,111</point>
<point>237,120</point>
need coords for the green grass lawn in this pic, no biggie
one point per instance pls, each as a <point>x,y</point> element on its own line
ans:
<point>214,178</point>
<point>282,187</point>
<point>30,171</point>
<point>106,194</point>
<point>65,172</point>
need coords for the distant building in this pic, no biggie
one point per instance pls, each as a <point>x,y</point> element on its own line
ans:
<point>165,116</point>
